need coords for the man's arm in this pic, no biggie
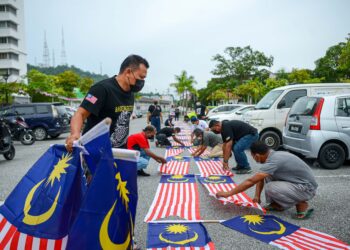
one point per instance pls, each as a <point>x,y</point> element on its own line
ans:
<point>76,124</point>
<point>258,177</point>
<point>226,148</point>
<point>154,156</point>
<point>258,189</point>
<point>200,150</point>
<point>148,117</point>
<point>161,117</point>
<point>178,141</point>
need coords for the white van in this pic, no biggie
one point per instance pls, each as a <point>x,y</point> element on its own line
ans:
<point>270,112</point>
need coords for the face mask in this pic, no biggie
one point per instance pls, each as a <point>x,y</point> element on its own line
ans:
<point>138,85</point>
<point>151,137</point>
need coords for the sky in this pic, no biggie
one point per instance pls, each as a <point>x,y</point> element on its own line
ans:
<point>176,35</point>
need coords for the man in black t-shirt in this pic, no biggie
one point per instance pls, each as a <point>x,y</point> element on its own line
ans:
<point>113,98</point>
<point>154,115</point>
<point>237,137</point>
<point>201,110</point>
<point>164,133</point>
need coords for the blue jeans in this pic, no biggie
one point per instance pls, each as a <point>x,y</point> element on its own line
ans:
<point>238,150</point>
<point>142,163</point>
<point>155,121</point>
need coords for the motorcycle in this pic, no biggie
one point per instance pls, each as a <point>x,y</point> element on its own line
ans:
<point>20,131</point>
<point>6,145</point>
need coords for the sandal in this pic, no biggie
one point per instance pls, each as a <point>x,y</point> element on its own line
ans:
<point>303,215</point>
<point>270,208</point>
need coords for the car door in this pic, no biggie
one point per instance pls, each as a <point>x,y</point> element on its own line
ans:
<point>343,118</point>
<point>27,112</point>
<point>285,104</point>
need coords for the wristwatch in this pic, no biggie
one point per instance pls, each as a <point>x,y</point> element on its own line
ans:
<point>226,161</point>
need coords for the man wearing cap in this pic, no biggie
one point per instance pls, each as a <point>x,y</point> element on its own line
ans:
<point>200,124</point>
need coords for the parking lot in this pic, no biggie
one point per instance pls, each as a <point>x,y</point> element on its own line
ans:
<point>331,203</point>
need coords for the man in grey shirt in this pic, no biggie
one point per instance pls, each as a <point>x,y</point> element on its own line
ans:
<point>208,139</point>
<point>288,181</point>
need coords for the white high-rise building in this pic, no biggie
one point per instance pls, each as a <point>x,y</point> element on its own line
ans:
<point>13,57</point>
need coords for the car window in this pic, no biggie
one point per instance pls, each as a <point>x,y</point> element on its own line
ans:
<point>29,110</point>
<point>42,109</point>
<point>221,109</point>
<point>269,99</point>
<point>304,106</point>
<point>7,112</point>
<point>343,107</point>
<point>292,96</point>
<point>245,110</point>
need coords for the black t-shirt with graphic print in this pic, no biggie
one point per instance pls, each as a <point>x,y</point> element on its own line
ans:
<point>200,110</point>
<point>107,99</point>
<point>235,130</point>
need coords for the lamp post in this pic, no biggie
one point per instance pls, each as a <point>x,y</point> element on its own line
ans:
<point>6,77</point>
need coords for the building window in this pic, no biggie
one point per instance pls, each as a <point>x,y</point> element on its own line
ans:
<point>8,8</point>
<point>3,56</point>
<point>10,55</point>
<point>10,71</point>
<point>9,40</point>
<point>8,24</point>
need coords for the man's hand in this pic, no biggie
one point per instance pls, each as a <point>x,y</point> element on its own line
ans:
<point>161,160</point>
<point>222,194</point>
<point>69,142</point>
<point>225,166</point>
<point>257,199</point>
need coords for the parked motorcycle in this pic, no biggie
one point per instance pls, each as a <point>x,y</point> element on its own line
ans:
<point>6,145</point>
<point>20,131</point>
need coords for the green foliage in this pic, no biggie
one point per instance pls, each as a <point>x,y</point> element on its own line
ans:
<point>242,64</point>
<point>344,60</point>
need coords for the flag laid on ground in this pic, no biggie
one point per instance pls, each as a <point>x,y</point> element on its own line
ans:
<point>208,167</point>
<point>95,142</point>
<point>282,234</point>
<point>204,154</point>
<point>186,143</point>
<point>177,165</point>
<point>107,216</point>
<point>177,195</point>
<point>216,183</point>
<point>186,137</point>
<point>172,151</point>
<point>178,236</point>
<point>42,207</point>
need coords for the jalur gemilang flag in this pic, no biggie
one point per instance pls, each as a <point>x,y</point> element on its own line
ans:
<point>107,215</point>
<point>41,209</point>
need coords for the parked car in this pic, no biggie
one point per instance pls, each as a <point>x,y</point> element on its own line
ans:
<point>271,111</point>
<point>235,114</point>
<point>319,128</point>
<point>222,109</point>
<point>43,118</point>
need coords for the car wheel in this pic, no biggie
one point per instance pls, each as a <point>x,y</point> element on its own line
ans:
<point>40,133</point>
<point>331,156</point>
<point>55,136</point>
<point>27,138</point>
<point>271,139</point>
<point>10,154</point>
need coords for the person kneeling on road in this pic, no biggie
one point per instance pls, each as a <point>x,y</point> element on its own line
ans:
<point>208,139</point>
<point>237,137</point>
<point>164,133</point>
<point>288,181</point>
<point>200,124</point>
<point>140,143</point>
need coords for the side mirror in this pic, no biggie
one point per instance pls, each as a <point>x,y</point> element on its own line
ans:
<point>215,111</point>
<point>238,113</point>
<point>281,104</point>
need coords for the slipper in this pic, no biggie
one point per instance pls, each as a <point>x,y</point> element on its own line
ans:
<point>303,215</point>
<point>270,208</point>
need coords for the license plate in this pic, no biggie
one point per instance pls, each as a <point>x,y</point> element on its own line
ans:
<point>295,128</point>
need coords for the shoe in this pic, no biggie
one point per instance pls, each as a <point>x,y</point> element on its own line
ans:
<point>235,169</point>
<point>142,173</point>
<point>244,171</point>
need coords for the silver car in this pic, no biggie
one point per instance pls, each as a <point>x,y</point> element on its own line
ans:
<point>319,128</point>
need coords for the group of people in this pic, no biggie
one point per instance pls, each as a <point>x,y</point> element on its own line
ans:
<point>287,180</point>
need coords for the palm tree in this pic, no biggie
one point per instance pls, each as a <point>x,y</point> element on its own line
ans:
<point>184,86</point>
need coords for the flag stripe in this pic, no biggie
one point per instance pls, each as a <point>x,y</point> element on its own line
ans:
<point>304,242</point>
<point>29,242</point>
<point>174,167</point>
<point>15,239</point>
<point>208,168</point>
<point>327,240</point>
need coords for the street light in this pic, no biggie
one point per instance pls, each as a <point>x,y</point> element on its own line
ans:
<point>6,77</point>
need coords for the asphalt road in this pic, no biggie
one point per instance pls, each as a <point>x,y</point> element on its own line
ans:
<point>332,202</point>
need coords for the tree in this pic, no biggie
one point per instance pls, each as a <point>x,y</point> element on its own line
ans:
<point>184,87</point>
<point>85,84</point>
<point>66,82</point>
<point>344,60</point>
<point>242,64</point>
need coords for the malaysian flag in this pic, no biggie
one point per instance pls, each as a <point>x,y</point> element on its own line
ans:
<point>173,151</point>
<point>175,165</point>
<point>216,183</point>
<point>208,167</point>
<point>176,144</point>
<point>40,210</point>
<point>193,149</point>
<point>282,234</point>
<point>177,195</point>
<point>178,236</point>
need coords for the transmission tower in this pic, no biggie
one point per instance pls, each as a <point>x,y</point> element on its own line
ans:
<point>63,51</point>
<point>46,53</point>
<point>53,58</point>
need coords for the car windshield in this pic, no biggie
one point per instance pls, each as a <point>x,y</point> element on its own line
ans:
<point>61,109</point>
<point>304,106</point>
<point>268,99</point>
